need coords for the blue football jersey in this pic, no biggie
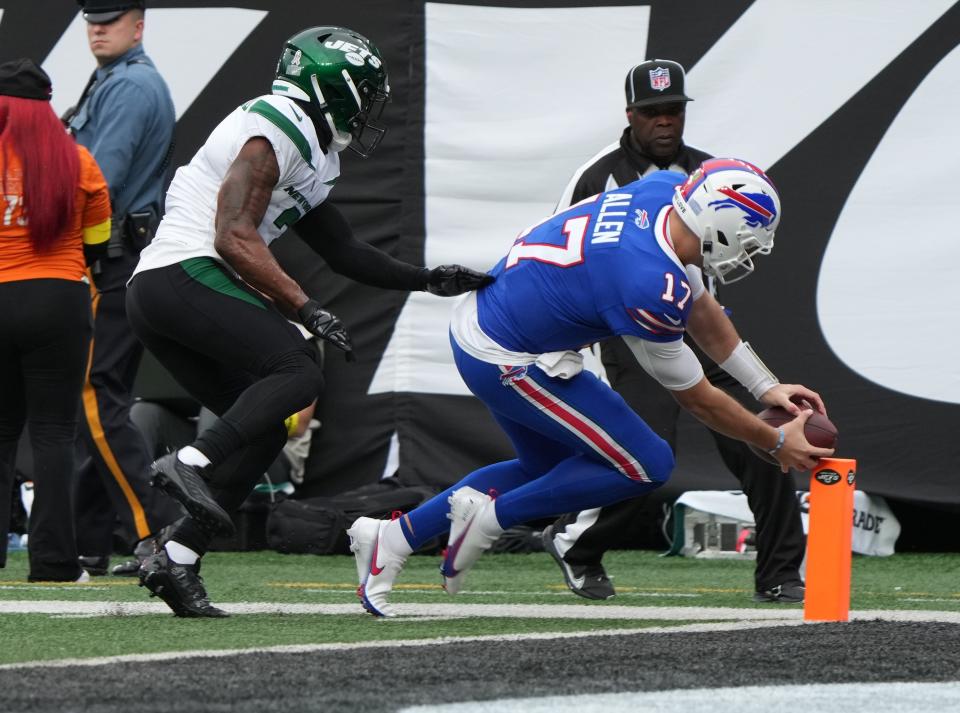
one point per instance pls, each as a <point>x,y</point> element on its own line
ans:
<point>594,270</point>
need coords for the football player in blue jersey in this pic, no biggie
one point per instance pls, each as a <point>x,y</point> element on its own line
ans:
<point>627,262</point>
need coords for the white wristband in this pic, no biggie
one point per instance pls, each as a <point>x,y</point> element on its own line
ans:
<point>745,366</point>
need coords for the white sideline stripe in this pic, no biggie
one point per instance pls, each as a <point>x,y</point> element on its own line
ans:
<point>773,612</point>
<point>510,611</point>
<point>402,643</point>
<point>883,697</point>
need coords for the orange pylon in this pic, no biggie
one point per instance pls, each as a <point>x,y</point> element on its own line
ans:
<point>829,540</point>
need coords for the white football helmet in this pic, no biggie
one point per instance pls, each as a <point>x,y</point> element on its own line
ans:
<point>733,207</point>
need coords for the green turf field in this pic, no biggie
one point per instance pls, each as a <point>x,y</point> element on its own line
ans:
<point>643,579</point>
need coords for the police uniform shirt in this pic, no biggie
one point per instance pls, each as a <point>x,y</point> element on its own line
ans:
<point>127,120</point>
<point>307,175</point>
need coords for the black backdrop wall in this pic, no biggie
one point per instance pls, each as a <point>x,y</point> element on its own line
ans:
<point>906,444</point>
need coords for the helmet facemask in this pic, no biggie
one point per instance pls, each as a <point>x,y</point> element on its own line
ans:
<point>369,100</point>
<point>737,266</point>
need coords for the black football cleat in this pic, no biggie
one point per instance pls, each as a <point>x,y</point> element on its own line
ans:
<point>179,585</point>
<point>788,593</point>
<point>589,581</point>
<point>184,483</point>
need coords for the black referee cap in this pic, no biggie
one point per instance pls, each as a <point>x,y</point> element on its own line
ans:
<point>100,12</point>
<point>656,81</point>
<point>24,78</point>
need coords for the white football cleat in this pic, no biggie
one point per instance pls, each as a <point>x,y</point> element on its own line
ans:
<point>376,566</point>
<point>466,542</point>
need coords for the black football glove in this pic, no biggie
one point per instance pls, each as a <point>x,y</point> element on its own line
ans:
<point>452,280</point>
<point>325,325</point>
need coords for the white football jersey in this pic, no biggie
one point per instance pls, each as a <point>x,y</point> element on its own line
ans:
<point>307,175</point>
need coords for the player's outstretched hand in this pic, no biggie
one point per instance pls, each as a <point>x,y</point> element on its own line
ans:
<point>797,452</point>
<point>794,397</point>
<point>325,325</point>
<point>452,280</point>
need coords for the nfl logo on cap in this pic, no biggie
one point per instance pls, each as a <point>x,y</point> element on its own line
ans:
<point>660,78</point>
<point>655,81</point>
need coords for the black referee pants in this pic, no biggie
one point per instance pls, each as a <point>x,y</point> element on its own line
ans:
<point>236,354</point>
<point>770,493</point>
<point>112,476</point>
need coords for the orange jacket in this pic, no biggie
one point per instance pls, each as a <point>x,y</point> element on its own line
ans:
<point>90,225</point>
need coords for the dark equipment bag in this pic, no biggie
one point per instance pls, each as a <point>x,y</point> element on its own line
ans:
<point>318,525</point>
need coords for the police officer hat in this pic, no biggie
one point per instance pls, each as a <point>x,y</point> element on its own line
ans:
<point>656,81</point>
<point>100,12</point>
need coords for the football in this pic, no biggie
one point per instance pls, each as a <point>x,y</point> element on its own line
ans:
<point>819,430</point>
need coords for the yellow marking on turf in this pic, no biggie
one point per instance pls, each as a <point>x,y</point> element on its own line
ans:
<point>552,589</point>
<point>93,583</point>
<point>679,591</point>
<point>34,587</point>
<point>340,586</point>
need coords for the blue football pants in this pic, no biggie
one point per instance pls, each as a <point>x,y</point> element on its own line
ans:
<point>578,444</point>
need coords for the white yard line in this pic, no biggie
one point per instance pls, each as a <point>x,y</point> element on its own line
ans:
<point>774,612</point>
<point>401,643</point>
<point>721,618</point>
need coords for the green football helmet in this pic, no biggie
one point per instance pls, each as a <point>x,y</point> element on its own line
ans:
<point>340,73</point>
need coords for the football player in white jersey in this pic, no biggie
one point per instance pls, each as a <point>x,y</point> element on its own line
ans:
<point>213,305</point>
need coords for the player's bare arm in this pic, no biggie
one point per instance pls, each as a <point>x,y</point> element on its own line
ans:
<point>241,204</point>
<point>711,328</point>
<point>715,333</point>
<point>722,413</point>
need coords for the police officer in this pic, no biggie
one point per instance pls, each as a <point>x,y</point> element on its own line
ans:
<point>125,117</point>
<point>653,141</point>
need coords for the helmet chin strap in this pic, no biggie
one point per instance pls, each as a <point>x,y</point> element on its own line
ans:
<point>706,249</point>
<point>339,140</point>
<point>329,137</point>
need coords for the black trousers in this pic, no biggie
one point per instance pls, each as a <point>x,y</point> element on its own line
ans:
<point>770,494</point>
<point>44,334</point>
<point>237,355</point>
<point>112,480</point>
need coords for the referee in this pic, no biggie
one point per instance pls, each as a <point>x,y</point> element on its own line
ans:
<point>653,141</point>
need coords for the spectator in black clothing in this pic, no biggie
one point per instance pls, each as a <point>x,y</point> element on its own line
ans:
<point>653,141</point>
<point>54,219</point>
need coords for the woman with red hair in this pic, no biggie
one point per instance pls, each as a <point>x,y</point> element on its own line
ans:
<point>54,216</point>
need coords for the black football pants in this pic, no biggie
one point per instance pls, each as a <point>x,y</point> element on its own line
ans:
<point>770,493</point>
<point>230,348</point>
